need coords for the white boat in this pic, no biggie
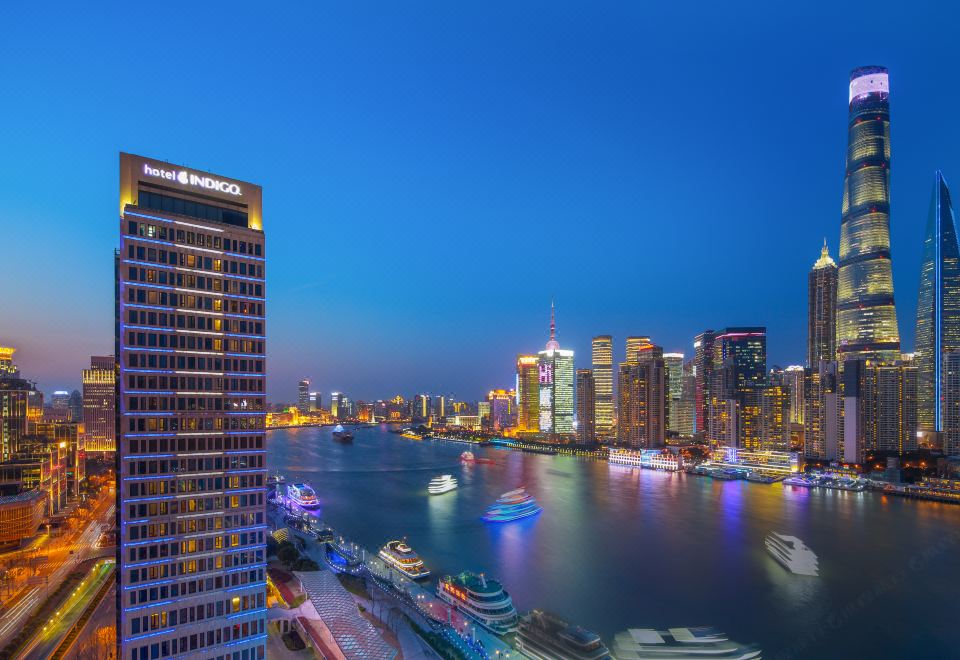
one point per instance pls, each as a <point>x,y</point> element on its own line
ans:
<point>467,457</point>
<point>277,479</point>
<point>303,495</point>
<point>482,599</point>
<point>792,554</point>
<point>442,484</point>
<point>679,644</point>
<point>401,556</point>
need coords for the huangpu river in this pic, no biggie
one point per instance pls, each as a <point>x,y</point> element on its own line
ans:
<point>617,547</point>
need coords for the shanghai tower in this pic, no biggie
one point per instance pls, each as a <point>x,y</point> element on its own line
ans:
<point>866,317</point>
<point>938,310</point>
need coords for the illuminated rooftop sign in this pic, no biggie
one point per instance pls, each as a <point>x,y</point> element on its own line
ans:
<point>190,179</point>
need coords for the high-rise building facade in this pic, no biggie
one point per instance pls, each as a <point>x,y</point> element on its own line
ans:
<point>642,400</point>
<point>688,397</point>
<point>586,406</point>
<point>556,380</point>
<point>866,317</point>
<point>793,382</point>
<point>674,365</point>
<point>602,349</point>
<point>951,404</point>
<point>879,408</point>
<point>303,396</point>
<point>703,375</point>
<point>634,345</point>
<point>99,404</point>
<point>938,308</point>
<point>191,496</point>
<point>738,370</point>
<point>528,394</point>
<point>502,408</point>
<point>822,309</point>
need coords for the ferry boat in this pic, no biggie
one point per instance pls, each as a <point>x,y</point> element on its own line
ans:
<point>792,554</point>
<point>467,457</point>
<point>513,505</point>
<point>545,636</point>
<point>340,434</point>
<point>303,495</point>
<point>442,484</point>
<point>401,556</point>
<point>481,599</point>
<point>679,644</point>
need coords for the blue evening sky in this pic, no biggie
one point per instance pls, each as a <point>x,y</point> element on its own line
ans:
<point>434,172</point>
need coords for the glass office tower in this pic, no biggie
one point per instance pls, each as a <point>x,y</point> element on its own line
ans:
<point>602,348</point>
<point>938,309</point>
<point>866,317</point>
<point>191,453</point>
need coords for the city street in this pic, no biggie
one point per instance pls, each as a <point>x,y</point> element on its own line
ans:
<point>48,561</point>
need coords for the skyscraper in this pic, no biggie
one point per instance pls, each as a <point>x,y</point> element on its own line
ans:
<point>528,394</point>
<point>703,375</point>
<point>635,344</point>
<point>822,309</point>
<point>191,497</point>
<point>938,309</point>
<point>951,404</point>
<point>866,317</point>
<point>879,408</point>
<point>556,379</point>
<point>738,370</point>
<point>674,365</point>
<point>303,396</point>
<point>586,406</point>
<point>793,381</point>
<point>99,405</point>
<point>603,385</point>
<point>642,394</point>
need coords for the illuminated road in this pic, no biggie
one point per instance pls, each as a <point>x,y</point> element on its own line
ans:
<point>63,554</point>
<point>45,643</point>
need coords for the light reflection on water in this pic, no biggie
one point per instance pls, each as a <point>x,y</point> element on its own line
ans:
<point>617,547</point>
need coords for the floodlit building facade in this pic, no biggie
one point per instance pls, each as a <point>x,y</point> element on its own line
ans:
<point>866,316</point>
<point>191,482</point>
<point>602,349</point>
<point>938,308</point>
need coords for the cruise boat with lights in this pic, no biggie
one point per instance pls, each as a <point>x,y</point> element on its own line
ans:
<point>442,484</point>
<point>340,434</point>
<point>481,599</point>
<point>303,495</point>
<point>512,505</point>
<point>545,636</point>
<point>399,555</point>
<point>467,457</point>
<point>792,554</point>
<point>679,644</point>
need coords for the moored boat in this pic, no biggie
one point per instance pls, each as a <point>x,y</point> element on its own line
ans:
<point>442,484</point>
<point>792,554</point>
<point>302,495</point>
<point>545,636</point>
<point>480,598</point>
<point>399,555</point>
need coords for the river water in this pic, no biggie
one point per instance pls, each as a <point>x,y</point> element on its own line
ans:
<point>617,547</point>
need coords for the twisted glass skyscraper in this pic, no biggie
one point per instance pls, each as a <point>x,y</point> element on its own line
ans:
<point>866,317</point>
<point>938,310</point>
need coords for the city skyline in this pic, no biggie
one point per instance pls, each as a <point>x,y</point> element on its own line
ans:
<point>604,179</point>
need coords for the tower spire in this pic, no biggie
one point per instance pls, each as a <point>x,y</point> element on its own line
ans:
<point>553,344</point>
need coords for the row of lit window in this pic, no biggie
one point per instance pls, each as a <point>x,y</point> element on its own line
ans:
<point>218,443</point>
<point>192,383</point>
<point>188,643</point>
<point>192,322</point>
<point>194,613</point>
<point>190,363</point>
<point>163,233</point>
<point>193,505</point>
<point>191,404</point>
<point>186,260</point>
